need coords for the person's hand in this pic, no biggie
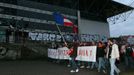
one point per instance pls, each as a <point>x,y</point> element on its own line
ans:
<point>65,43</point>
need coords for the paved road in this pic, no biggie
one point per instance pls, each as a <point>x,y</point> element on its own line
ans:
<point>42,67</point>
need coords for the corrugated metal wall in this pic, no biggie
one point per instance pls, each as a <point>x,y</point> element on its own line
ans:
<point>93,27</point>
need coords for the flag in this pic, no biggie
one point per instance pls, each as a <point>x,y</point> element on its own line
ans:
<point>67,22</point>
<point>62,20</point>
<point>75,29</point>
<point>58,18</point>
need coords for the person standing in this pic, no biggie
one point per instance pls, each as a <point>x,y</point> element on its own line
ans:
<point>94,64</point>
<point>128,56</point>
<point>74,67</point>
<point>100,57</point>
<point>113,55</point>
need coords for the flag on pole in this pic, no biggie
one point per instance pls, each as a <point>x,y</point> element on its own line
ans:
<point>75,29</point>
<point>58,18</point>
<point>67,22</point>
<point>62,20</point>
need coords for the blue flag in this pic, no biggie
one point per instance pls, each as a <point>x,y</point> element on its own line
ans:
<point>58,18</point>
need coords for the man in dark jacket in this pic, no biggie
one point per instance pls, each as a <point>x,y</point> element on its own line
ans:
<point>128,56</point>
<point>73,56</point>
<point>100,56</point>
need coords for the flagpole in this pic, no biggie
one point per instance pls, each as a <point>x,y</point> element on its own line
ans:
<point>61,34</point>
<point>59,19</point>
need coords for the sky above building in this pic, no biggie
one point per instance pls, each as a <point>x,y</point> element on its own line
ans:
<point>122,24</point>
<point>126,2</point>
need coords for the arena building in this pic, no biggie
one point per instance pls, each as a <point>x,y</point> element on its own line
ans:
<point>34,19</point>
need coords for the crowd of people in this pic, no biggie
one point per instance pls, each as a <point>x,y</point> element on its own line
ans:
<point>107,55</point>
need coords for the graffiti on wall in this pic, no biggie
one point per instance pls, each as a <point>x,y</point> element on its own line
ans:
<point>90,38</point>
<point>50,37</point>
<point>68,37</point>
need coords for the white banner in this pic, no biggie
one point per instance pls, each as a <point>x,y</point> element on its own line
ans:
<point>86,53</point>
<point>53,53</point>
<point>60,53</point>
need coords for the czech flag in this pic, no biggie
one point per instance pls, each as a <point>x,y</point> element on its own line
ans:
<point>58,18</point>
<point>62,20</point>
<point>67,22</point>
<point>75,29</point>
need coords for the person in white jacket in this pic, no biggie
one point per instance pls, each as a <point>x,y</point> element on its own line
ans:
<point>113,55</point>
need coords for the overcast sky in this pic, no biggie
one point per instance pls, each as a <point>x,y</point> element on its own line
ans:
<point>126,2</point>
<point>122,27</point>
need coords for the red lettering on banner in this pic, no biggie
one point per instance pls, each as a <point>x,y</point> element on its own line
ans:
<point>83,53</point>
<point>66,52</point>
<point>90,52</point>
<point>86,53</point>
<point>60,52</point>
<point>79,52</point>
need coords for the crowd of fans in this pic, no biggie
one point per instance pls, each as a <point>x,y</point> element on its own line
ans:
<point>107,55</point>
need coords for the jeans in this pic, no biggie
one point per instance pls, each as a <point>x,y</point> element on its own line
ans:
<point>107,63</point>
<point>113,66</point>
<point>73,64</point>
<point>101,63</point>
<point>79,63</point>
<point>94,64</point>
